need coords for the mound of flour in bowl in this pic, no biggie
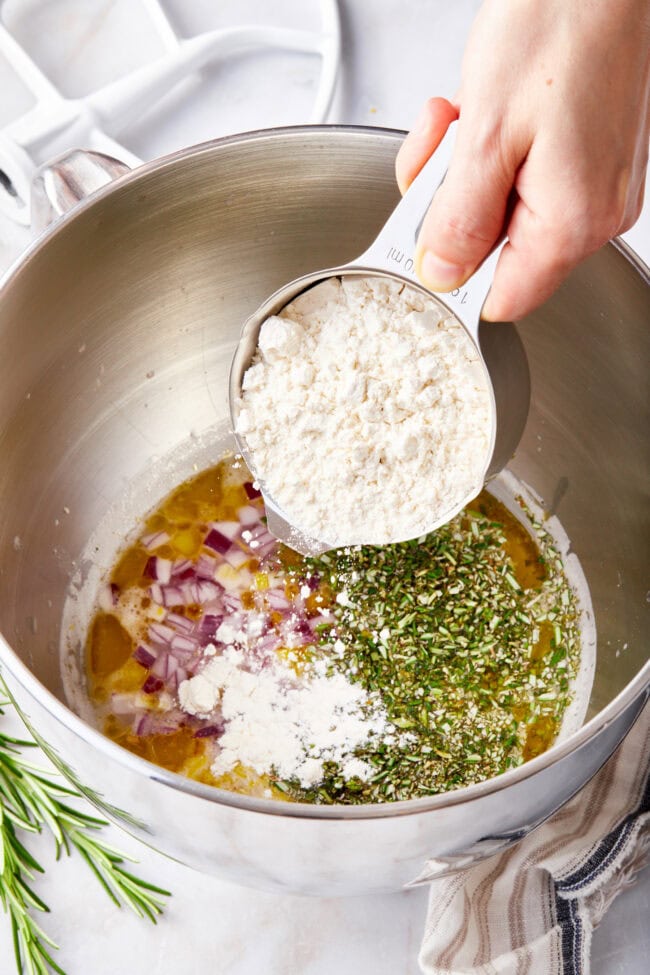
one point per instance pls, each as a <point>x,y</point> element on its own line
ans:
<point>367,413</point>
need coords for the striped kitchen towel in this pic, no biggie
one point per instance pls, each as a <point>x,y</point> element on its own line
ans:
<point>532,909</point>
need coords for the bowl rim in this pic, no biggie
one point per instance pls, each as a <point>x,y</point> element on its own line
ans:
<point>636,688</point>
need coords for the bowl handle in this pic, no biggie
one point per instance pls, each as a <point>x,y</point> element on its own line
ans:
<point>62,183</point>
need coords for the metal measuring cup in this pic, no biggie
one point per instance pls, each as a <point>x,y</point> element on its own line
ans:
<point>391,255</point>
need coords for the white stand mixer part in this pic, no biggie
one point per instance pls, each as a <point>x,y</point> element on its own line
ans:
<point>56,123</point>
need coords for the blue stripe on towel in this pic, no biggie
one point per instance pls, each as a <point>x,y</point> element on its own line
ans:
<point>566,909</point>
<point>572,934</point>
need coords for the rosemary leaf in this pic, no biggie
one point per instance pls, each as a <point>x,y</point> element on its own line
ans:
<point>32,799</point>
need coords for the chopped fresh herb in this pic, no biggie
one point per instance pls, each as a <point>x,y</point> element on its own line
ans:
<point>445,630</point>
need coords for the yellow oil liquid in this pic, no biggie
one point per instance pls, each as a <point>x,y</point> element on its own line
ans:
<point>215,495</point>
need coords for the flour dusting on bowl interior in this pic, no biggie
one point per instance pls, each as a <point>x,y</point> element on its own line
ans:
<point>365,675</point>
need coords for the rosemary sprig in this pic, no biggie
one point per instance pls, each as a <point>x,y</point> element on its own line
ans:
<point>31,799</point>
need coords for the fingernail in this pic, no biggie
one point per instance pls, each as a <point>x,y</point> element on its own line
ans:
<point>487,312</point>
<point>439,275</point>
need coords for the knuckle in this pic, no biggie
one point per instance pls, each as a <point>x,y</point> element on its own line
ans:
<point>632,212</point>
<point>464,227</point>
<point>463,222</point>
<point>467,212</point>
<point>612,220</point>
<point>578,232</point>
<point>630,218</point>
<point>593,216</point>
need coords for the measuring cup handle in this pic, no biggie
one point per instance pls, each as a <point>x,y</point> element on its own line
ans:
<point>393,249</point>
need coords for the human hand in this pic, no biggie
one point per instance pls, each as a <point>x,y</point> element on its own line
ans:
<point>551,148</point>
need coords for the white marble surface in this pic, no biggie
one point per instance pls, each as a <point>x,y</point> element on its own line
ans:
<point>396,53</point>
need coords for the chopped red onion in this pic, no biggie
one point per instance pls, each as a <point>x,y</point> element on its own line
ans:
<point>251,490</point>
<point>160,667</point>
<point>296,632</point>
<point>158,569</point>
<point>235,557</point>
<point>231,529</point>
<point>179,675</point>
<point>260,540</point>
<point>189,573</point>
<point>180,622</point>
<point>160,634</point>
<point>210,624</point>
<point>320,620</point>
<point>277,599</point>
<point>156,593</point>
<point>172,665</point>
<point>208,590</point>
<point>175,595</point>
<point>231,600</point>
<point>183,644</point>
<point>210,730</point>
<point>266,546</point>
<point>269,642</point>
<point>180,566</point>
<point>248,515</point>
<point>152,684</point>
<point>190,591</point>
<point>155,540</point>
<point>175,647</point>
<point>256,625</point>
<point>142,725</point>
<point>108,597</point>
<point>159,723</point>
<point>206,566</point>
<point>196,591</point>
<point>163,570</point>
<point>216,541</point>
<point>236,621</point>
<point>122,703</point>
<point>313,581</point>
<point>144,656</point>
<point>304,630</point>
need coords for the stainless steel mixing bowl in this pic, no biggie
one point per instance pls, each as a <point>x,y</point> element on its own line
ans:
<point>117,329</point>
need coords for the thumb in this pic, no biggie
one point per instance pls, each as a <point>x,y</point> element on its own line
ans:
<point>466,216</point>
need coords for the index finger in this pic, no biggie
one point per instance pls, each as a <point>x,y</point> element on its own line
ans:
<point>424,138</point>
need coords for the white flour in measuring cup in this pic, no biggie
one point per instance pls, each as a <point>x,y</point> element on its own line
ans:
<point>366,411</point>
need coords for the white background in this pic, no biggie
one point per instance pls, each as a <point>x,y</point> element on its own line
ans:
<point>395,54</point>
